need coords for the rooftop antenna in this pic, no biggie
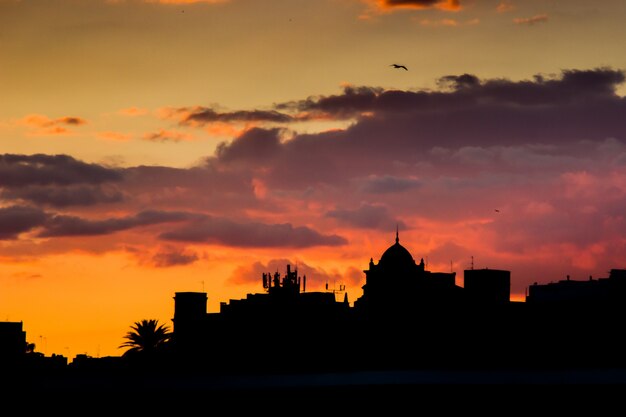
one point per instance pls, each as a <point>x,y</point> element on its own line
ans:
<point>472,265</point>
<point>450,265</point>
<point>202,285</point>
<point>397,237</point>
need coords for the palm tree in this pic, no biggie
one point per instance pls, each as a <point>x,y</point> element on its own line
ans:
<point>146,337</point>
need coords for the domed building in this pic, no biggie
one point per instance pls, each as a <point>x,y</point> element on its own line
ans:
<point>398,282</point>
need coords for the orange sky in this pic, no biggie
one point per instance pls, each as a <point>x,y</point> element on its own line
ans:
<point>151,147</point>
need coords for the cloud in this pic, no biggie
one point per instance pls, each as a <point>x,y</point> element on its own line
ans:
<point>531,21</point>
<point>548,151</point>
<point>66,196</point>
<point>316,277</point>
<point>46,126</point>
<point>15,220</point>
<point>355,101</point>
<point>65,225</point>
<point>404,128</point>
<point>367,216</point>
<point>205,116</point>
<point>388,5</point>
<point>206,187</point>
<point>114,136</point>
<point>133,111</point>
<point>44,121</point>
<point>171,2</point>
<point>167,136</point>
<point>442,22</point>
<point>458,82</point>
<point>175,2</point>
<point>505,6</point>
<point>40,169</point>
<point>448,22</point>
<point>251,234</point>
<point>169,257</point>
<point>254,144</point>
<point>387,184</point>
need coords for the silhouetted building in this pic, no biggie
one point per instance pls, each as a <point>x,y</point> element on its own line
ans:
<point>190,310</point>
<point>397,282</point>
<point>610,290</point>
<point>487,285</point>
<point>12,340</point>
<point>283,325</point>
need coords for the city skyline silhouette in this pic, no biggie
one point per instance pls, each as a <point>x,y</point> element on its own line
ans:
<point>409,324</point>
<point>155,148</point>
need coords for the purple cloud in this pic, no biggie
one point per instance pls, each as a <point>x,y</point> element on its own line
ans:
<point>405,127</point>
<point>367,216</point>
<point>204,115</point>
<point>64,225</point>
<point>386,184</point>
<point>15,220</point>
<point>254,144</point>
<point>64,196</point>
<point>449,5</point>
<point>40,169</point>
<point>352,103</point>
<point>251,234</point>
<point>173,257</point>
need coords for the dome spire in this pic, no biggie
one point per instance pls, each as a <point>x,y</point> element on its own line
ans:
<point>397,238</point>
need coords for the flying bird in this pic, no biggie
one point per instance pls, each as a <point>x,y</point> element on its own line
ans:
<point>497,211</point>
<point>399,66</point>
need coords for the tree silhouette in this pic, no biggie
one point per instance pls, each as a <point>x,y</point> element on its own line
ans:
<point>146,337</point>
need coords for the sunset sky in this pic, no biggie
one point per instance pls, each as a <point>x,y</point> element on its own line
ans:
<point>152,147</point>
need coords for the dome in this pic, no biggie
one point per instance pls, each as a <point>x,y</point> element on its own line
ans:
<point>397,255</point>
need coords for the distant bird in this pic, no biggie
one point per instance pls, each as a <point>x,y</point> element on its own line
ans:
<point>497,211</point>
<point>399,66</point>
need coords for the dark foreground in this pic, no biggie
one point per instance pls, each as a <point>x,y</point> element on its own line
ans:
<point>320,382</point>
<point>411,392</point>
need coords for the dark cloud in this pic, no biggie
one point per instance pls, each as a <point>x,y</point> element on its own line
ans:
<point>66,196</point>
<point>254,144</point>
<point>404,127</point>
<point>420,4</point>
<point>251,234</point>
<point>15,220</point>
<point>203,115</point>
<point>71,121</point>
<point>40,169</point>
<point>387,184</point>
<point>572,88</point>
<point>434,158</point>
<point>468,91</point>
<point>173,257</point>
<point>352,103</point>
<point>166,136</point>
<point>46,122</point>
<point>43,125</point>
<point>64,225</point>
<point>367,216</point>
<point>458,82</point>
<point>217,187</point>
